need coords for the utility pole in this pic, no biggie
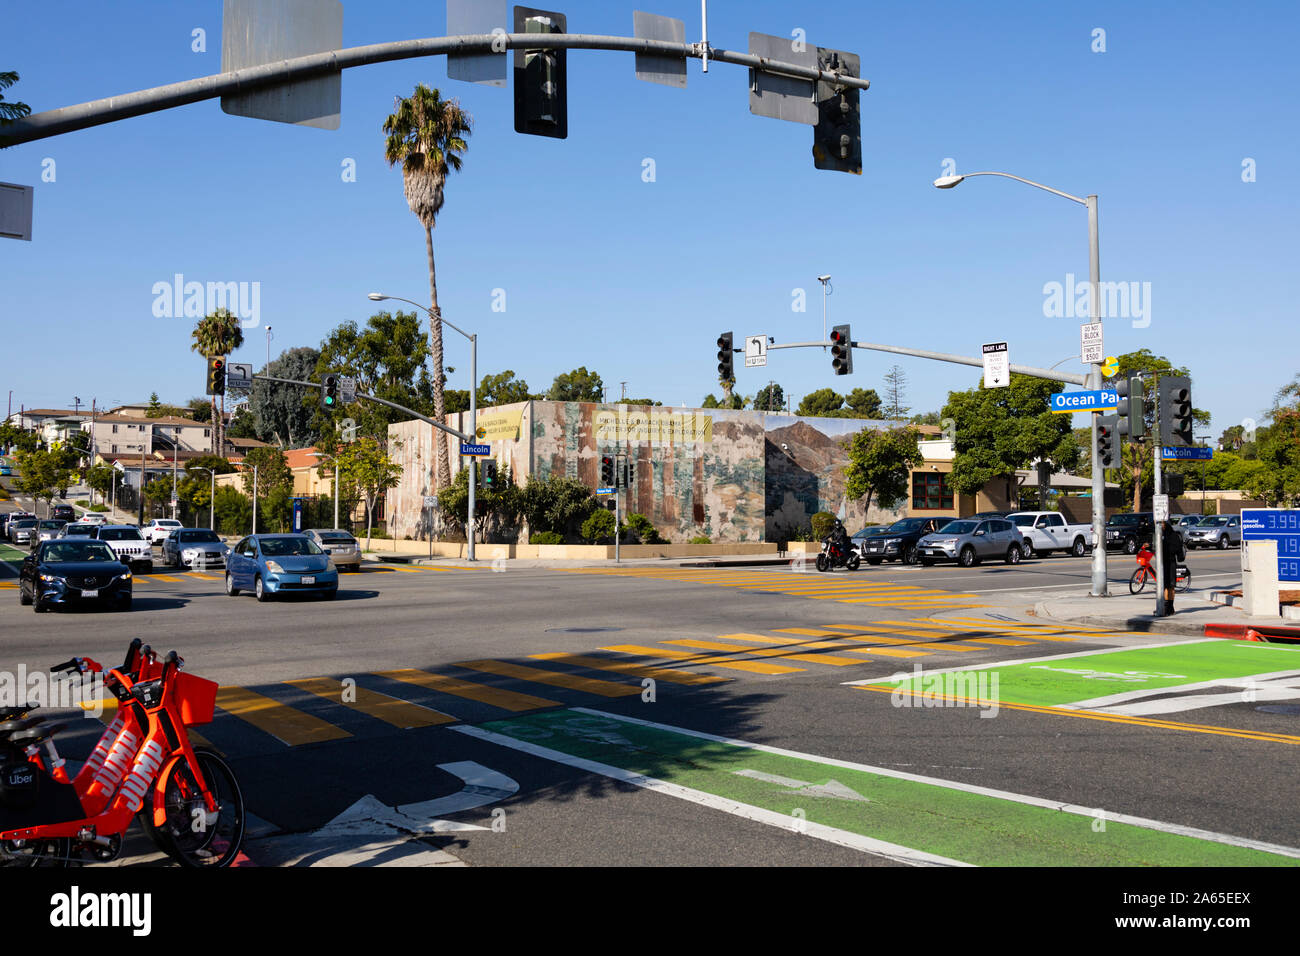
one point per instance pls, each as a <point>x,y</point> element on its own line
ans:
<point>1157,537</point>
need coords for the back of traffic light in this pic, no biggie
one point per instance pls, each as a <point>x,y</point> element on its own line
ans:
<point>1132,407</point>
<point>1108,444</point>
<point>1175,410</point>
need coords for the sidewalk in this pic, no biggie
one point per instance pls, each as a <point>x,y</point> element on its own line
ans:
<point>1194,615</point>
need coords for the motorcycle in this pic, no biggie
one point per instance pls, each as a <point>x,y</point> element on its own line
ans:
<point>838,555</point>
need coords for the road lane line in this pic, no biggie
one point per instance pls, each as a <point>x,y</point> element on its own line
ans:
<point>391,710</point>
<point>496,696</point>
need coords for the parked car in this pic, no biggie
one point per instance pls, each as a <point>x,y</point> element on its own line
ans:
<point>20,529</point>
<point>79,530</point>
<point>128,545</point>
<point>344,550</point>
<point>93,517</point>
<point>1130,531</point>
<point>270,564</point>
<point>1186,523</point>
<point>156,530</point>
<point>1048,531</point>
<point>46,530</point>
<point>194,548</point>
<point>74,572</point>
<point>968,541</point>
<point>63,513</point>
<point>1216,531</point>
<point>979,515</point>
<point>898,541</point>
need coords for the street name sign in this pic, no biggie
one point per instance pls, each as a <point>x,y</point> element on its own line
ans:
<point>997,365</point>
<point>478,451</point>
<point>756,351</point>
<point>1178,453</point>
<point>1101,400</point>
<point>1274,524</point>
<point>1091,349</point>
<point>606,491</point>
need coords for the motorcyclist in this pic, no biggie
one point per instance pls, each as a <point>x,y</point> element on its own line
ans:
<point>839,539</point>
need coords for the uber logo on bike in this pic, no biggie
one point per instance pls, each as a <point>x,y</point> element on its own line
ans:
<point>75,909</point>
<point>21,777</point>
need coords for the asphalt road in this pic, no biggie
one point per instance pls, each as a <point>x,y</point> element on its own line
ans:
<point>497,663</point>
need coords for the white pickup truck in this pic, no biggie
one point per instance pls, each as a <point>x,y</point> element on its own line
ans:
<point>1047,531</point>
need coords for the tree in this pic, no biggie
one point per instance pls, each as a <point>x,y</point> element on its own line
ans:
<point>195,488</point>
<point>865,403</point>
<point>896,394</point>
<point>233,512</point>
<point>155,407</point>
<point>426,134</point>
<point>557,504</point>
<point>639,401</point>
<point>12,110</point>
<point>999,430</point>
<point>365,467</point>
<point>1279,451</point>
<point>578,385</point>
<point>283,413</point>
<point>503,389</point>
<point>199,409</point>
<point>19,439</point>
<point>769,398</point>
<point>217,334</point>
<point>496,510</point>
<point>822,403</point>
<point>100,478</point>
<point>242,424</point>
<point>272,475</point>
<point>880,464</point>
<point>599,527</point>
<point>44,473</point>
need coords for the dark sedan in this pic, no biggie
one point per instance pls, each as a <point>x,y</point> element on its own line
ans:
<point>74,571</point>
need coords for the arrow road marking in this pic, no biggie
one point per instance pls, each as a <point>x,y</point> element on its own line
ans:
<point>831,788</point>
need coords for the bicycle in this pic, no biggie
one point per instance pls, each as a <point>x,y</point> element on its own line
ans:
<point>1145,572</point>
<point>188,800</point>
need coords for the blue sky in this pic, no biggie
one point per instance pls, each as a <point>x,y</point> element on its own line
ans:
<point>634,279</point>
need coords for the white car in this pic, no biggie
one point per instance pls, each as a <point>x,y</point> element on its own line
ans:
<point>1048,531</point>
<point>157,530</point>
<point>129,546</point>
<point>92,517</point>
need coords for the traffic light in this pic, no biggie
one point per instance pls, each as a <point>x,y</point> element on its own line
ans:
<point>487,474</point>
<point>217,375</point>
<point>837,137</point>
<point>541,99</point>
<point>841,350</point>
<point>1132,407</point>
<point>627,474</point>
<point>1108,447</point>
<point>607,471</point>
<point>329,392</point>
<point>1176,411</point>
<point>726,364</point>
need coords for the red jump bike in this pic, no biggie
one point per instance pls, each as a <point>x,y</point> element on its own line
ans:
<point>1146,572</point>
<point>187,800</point>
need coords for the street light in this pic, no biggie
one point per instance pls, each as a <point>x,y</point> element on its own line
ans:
<point>473,407</point>
<point>827,289</point>
<point>335,467</point>
<point>1099,586</point>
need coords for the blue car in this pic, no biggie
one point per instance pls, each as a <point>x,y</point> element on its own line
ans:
<point>268,564</point>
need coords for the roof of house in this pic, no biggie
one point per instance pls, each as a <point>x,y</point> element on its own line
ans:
<point>134,420</point>
<point>247,443</point>
<point>301,458</point>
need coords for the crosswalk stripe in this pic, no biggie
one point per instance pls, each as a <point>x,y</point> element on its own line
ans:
<point>408,570</point>
<point>391,710</point>
<point>765,651</point>
<point>754,667</point>
<point>633,670</point>
<point>163,577</point>
<point>286,724</point>
<point>588,685</point>
<point>788,641</point>
<point>497,697</point>
<point>1001,641</point>
<point>205,577</point>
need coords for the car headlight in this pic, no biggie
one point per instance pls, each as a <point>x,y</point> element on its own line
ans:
<point>124,577</point>
<point>50,577</point>
<point>948,542</point>
<point>274,567</point>
<point>188,553</point>
<point>892,540</point>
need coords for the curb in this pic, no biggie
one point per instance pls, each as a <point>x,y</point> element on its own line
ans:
<point>740,563</point>
<point>1150,623</point>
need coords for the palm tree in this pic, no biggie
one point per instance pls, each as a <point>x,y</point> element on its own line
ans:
<point>11,111</point>
<point>217,334</point>
<point>426,134</point>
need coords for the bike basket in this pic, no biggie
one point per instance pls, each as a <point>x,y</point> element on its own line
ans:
<point>196,697</point>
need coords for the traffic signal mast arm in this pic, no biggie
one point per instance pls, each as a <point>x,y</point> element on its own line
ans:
<point>382,401</point>
<point>97,112</point>
<point>1072,378</point>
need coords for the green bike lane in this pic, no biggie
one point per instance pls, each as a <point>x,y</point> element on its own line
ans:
<point>906,817</point>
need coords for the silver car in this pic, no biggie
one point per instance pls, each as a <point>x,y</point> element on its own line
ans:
<point>1216,531</point>
<point>196,548</point>
<point>20,531</point>
<point>968,541</point>
<point>343,549</point>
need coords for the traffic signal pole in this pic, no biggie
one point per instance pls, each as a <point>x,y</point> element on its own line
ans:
<point>1158,537</point>
<point>1070,378</point>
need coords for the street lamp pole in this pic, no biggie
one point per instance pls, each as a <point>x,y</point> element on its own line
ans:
<point>473,411</point>
<point>1099,585</point>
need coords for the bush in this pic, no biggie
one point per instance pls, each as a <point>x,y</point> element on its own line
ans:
<point>701,539</point>
<point>99,509</point>
<point>823,522</point>
<point>546,537</point>
<point>644,529</point>
<point>82,503</point>
<point>4,495</point>
<point>599,527</point>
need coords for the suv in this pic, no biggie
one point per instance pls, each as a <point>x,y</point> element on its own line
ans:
<point>156,530</point>
<point>968,541</point>
<point>1215,531</point>
<point>1130,531</point>
<point>63,513</point>
<point>131,549</point>
<point>898,541</point>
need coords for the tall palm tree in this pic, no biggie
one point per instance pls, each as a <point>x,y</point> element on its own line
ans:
<point>426,134</point>
<point>11,111</point>
<point>218,333</point>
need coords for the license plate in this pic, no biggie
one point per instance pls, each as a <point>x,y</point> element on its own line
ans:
<point>87,594</point>
<point>308,579</point>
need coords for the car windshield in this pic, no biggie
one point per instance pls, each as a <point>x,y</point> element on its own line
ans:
<point>287,547</point>
<point>119,534</point>
<point>909,524</point>
<point>1123,520</point>
<point>84,530</point>
<point>1218,522</point>
<point>52,525</point>
<point>25,523</point>
<point>62,552</point>
<point>960,527</point>
<point>1024,521</point>
<point>198,537</point>
<point>335,536</point>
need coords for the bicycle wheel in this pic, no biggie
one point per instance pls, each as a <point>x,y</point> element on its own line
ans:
<point>194,837</point>
<point>1138,581</point>
<point>1184,582</point>
<point>32,853</point>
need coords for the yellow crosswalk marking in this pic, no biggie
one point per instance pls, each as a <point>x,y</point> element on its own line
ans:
<point>754,667</point>
<point>287,724</point>
<point>399,713</point>
<point>399,567</point>
<point>633,670</point>
<point>163,577</point>
<point>588,685</point>
<point>497,697</point>
<point>766,651</point>
<point>205,577</point>
<point>788,641</point>
<point>1001,641</point>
